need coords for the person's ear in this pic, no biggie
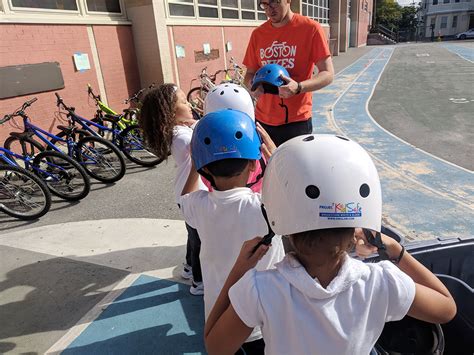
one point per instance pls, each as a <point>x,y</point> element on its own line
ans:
<point>252,165</point>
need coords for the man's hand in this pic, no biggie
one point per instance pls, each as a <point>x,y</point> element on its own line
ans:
<point>257,92</point>
<point>289,89</point>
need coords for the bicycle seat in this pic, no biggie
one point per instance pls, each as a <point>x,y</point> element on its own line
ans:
<point>67,129</point>
<point>22,134</point>
<point>114,118</point>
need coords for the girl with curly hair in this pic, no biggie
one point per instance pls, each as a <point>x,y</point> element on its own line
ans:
<point>168,122</point>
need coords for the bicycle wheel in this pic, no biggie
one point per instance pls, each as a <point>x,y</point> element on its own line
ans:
<point>101,159</point>
<point>22,194</point>
<point>133,147</point>
<point>196,98</point>
<point>25,146</point>
<point>64,177</point>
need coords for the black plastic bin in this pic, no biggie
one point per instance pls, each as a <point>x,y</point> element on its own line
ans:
<point>452,260</point>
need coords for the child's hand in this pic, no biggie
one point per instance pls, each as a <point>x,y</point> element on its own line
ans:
<point>363,247</point>
<point>247,259</point>
<point>257,92</point>
<point>268,147</point>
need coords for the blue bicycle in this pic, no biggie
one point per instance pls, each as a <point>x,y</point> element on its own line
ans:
<point>100,158</point>
<point>128,140</point>
<point>22,194</point>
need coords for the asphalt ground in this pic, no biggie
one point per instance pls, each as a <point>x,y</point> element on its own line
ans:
<point>55,272</point>
<point>426,97</point>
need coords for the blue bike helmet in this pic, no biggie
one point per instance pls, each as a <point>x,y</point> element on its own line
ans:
<point>224,134</point>
<point>269,77</point>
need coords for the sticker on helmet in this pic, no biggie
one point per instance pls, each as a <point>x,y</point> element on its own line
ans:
<point>340,211</point>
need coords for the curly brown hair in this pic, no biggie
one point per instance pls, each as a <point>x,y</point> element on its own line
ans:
<point>157,119</point>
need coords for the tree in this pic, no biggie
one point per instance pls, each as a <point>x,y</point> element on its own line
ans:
<point>388,14</point>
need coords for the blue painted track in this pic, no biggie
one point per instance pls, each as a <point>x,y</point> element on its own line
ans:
<point>152,316</point>
<point>464,52</point>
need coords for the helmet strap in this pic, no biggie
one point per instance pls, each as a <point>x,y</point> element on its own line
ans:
<point>263,166</point>
<point>267,239</point>
<point>286,110</point>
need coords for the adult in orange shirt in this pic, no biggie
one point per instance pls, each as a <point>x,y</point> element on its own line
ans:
<point>297,43</point>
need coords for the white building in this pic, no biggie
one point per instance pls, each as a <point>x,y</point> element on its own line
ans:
<point>446,17</point>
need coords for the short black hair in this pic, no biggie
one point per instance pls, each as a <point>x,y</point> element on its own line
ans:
<point>227,167</point>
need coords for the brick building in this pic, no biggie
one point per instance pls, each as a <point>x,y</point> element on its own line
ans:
<point>132,43</point>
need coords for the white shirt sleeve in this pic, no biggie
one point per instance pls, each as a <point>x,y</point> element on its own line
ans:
<point>401,291</point>
<point>245,299</point>
<point>180,146</point>
<point>187,204</point>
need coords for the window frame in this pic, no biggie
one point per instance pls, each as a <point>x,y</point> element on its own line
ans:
<point>200,19</point>
<point>43,10</point>
<point>443,23</point>
<point>101,13</point>
<point>319,10</point>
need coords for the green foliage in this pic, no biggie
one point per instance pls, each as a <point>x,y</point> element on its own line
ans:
<point>395,17</point>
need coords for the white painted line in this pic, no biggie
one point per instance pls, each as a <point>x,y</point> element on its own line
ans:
<point>90,316</point>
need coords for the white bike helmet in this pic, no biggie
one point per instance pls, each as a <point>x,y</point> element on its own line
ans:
<point>319,182</point>
<point>231,96</point>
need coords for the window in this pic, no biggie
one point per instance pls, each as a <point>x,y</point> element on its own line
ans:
<point>435,2</point>
<point>317,10</point>
<point>444,21</point>
<point>47,4</point>
<point>455,21</point>
<point>433,22</point>
<point>104,6</point>
<point>246,10</point>
<point>181,8</point>
<point>445,1</point>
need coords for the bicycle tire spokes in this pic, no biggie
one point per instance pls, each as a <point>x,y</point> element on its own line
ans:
<point>20,194</point>
<point>101,161</point>
<point>133,146</point>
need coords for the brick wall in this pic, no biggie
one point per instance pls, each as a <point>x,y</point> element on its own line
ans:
<point>118,63</point>
<point>364,21</point>
<point>30,44</point>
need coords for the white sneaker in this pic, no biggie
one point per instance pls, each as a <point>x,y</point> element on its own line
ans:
<point>197,289</point>
<point>187,272</point>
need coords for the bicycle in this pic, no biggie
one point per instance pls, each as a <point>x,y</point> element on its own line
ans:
<point>99,158</point>
<point>129,140</point>
<point>63,176</point>
<point>197,94</point>
<point>106,114</point>
<point>238,72</point>
<point>22,194</point>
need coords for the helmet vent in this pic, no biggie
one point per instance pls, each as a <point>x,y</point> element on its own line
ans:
<point>222,93</point>
<point>226,86</point>
<point>238,135</point>
<point>237,91</point>
<point>343,138</point>
<point>312,192</point>
<point>364,190</point>
<point>214,90</point>
<point>308,139</point>
<point>269,71</point>
<point>207,141</point>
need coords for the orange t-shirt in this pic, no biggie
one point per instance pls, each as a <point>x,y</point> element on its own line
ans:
<point>297,46</point>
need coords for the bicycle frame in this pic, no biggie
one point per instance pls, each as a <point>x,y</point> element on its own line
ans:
<point>4,153</point>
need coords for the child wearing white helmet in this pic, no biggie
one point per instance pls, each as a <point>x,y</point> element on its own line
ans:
<point>225,148</point>
<point>318,189</point>
<point>235,97</point>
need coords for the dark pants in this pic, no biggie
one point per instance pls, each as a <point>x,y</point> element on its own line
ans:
<point>193,249</point>
<point>256,347</point>
<point>280,134</point>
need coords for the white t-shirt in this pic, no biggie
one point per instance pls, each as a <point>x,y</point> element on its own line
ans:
<point>224,220</point>
<point>298,316</point>
<point>181,152</point>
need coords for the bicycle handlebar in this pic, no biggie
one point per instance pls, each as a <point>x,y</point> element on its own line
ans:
<point>20,111</point>
<point>60,102</point>
<point>135,97</point>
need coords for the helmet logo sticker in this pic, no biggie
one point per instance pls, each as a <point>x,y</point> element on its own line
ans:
<point>341,211</point>
<point>226,150</point>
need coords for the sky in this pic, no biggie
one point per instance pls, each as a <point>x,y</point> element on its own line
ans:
<point>407,2</point>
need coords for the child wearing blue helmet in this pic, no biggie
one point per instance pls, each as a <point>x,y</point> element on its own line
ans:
<point>225,148</point>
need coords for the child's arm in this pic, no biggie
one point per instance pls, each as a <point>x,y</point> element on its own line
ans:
<point>192,183</point>
<point>224,331</point>
<point>268,146</point>
<point>433,303</point>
